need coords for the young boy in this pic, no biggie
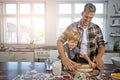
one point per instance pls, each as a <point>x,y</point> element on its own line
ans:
<point>73,52</point>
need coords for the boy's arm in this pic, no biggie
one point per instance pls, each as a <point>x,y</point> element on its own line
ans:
<point>91,64</point>
<point>85,57</point>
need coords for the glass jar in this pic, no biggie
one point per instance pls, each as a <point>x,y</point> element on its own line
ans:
<point>57,68</point>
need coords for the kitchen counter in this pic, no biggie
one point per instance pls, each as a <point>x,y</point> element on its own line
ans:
<point>9,70</point>
<point>17,50</point>
<point>32,50</point>
<point>27,49</point>
<point>108,51</point>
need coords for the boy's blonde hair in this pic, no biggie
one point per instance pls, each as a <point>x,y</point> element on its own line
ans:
<point>73,35</point>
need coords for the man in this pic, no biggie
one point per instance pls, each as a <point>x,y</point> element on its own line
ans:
<point>91,39</point>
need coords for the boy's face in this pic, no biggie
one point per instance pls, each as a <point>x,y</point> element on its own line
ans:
<point>72,44</point>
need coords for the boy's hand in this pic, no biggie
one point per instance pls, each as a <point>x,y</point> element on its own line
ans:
<point>92,65</point>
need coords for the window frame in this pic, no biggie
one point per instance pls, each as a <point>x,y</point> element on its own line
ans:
<point>73,15</point>
<point>18,16</point>
<point>51,19</point>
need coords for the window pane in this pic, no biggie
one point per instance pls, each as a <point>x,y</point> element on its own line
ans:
<point>39,30</point>
<point>98,21</point>
<point>63,23</point>
<point>79,8</point>
<point>24,8</point>
<point>65,8</point>
<point>39,8</point>
<point>25,30</point>
<point>10,8</point>
<point>77,19</point>
<point>99,8</point>
<point>11,30</point>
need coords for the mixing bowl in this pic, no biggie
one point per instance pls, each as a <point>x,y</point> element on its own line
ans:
<point>116,61</point>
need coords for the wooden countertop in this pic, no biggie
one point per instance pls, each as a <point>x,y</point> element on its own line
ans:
<point>9,70</point>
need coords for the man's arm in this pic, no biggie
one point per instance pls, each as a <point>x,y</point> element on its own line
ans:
<point>68,63</point>
<point>98,58</point>
<point>101,50</point>
<point>61,49</point>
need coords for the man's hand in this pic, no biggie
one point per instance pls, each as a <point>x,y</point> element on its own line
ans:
<point>92,65</point>
<point>99,62</point>
<point>69,64</point>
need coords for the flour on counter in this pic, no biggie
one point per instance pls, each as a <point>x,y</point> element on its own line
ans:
<point>33,75</point>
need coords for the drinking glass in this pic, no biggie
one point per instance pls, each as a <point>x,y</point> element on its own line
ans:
<point>48,64</point>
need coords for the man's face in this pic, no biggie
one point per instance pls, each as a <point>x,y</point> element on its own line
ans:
<point>72,44</point>
<point>87,17</point>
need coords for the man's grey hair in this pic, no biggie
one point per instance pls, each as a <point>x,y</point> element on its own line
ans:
<point>90,7</point>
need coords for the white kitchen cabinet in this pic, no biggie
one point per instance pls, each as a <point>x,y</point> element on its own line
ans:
<point>41,55</point>
<point>23,56</point>
<point>6,56</point>
<point>107,57</point>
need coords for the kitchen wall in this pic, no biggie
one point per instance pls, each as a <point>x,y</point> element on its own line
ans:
<point>112,29</point>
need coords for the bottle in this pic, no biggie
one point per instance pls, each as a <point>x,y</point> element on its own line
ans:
<point>2,45</point>
<point>57,68</point>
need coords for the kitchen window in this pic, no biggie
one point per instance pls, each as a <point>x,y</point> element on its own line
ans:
<point>24,22</point>
<point>69,12</point>
<point>42,21</point>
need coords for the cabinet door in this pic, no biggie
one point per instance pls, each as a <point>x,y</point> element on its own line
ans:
<point>6,56</point>
<point>24,56</point>
<point>107,57</point>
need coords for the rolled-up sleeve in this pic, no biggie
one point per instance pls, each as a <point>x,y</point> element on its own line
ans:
<point>63,36</point>
<point>100,39</point>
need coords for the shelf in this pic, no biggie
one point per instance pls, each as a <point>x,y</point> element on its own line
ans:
<point>115,35</point>
<point>115,25</point>
<point>115,15</point>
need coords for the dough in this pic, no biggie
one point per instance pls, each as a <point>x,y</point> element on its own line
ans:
<point>85,68</point>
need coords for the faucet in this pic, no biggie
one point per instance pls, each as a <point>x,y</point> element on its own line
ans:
<point>2,45</point>
<point>32,42</point>
<point>31,45</point>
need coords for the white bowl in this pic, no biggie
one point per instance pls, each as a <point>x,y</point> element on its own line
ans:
<point>116,61</point>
